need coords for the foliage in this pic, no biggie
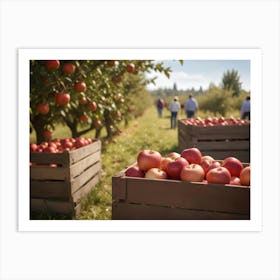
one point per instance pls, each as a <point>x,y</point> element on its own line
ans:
<point>220,102</point>
<point>107,85</point>
<point>231,82</point>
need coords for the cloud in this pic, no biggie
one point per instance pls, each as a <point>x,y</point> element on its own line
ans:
<point>183,81</point>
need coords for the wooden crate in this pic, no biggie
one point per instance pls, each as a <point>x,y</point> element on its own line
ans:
<point>58,190</point>
<point>151,199</point>
<point>217,141</point>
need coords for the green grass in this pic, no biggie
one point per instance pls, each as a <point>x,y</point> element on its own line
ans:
<point>146,132</point>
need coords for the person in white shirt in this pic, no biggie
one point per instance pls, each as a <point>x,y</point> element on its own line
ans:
<point>245,108</point>
<point>190,106</point>
<point>174,107</point>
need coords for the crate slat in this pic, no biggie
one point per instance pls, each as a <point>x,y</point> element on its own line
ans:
<point>189,195</point>
<point>49,158</point>
<point>49,173</point>
<point>84,190</point>
<point>224,145</point>
<point>78,167</point>
<point>51,206</point>
<point>85,177</point>
<point>78,154</point>
<point>49,189</point>
<point>129,211</point>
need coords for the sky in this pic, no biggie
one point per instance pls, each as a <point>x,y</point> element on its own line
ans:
<point>196,73</point>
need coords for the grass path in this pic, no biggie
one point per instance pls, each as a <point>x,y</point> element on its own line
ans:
<point>146,132</point>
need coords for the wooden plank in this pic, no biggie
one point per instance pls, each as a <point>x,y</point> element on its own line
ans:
<point>179,194</point>
<point>80,166</point>
<point>78,154</point>
<point>224,145</point>
<point>118,187</point>
<point>84,177</point>
<point>49,158</point>
<point>49,173</point>
<point>127,211</point>
<point>51,206</point>
<point>84,190</point>
<point>50,189</point>
<point>243,156</point>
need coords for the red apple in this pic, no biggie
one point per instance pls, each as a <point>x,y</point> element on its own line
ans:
<point>66,144</point>
<point>245,176</point>
<point>92,106</point>
<point>52,65</point>
<point>62,98</point>
<point>47,134</point>
<point>83,100</point>
<point>174,167</point>
<point>134,171</point>
<point>148,159</point>
<point>218,175</point>
<point>192,173</point>
<point>156,173</point>
<point>111,63</point>
<point>205,164</point>
<point>130,68</point>
<point>84,118</point>
<point>211,159</point>
<point>234,180</point>
<point>68,68</point>
<point>80,142</point>
<point>80,87</point>
<point>98,123</point>
<point>43,108</point>
<point>233,165</point>
<point>33,147</point>
<point>173,155</point>
<point>164,162</point>
<point>49,150</point>
<point>192,155</point>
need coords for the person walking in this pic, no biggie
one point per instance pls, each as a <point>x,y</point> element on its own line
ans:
<point>246,108</point>
<point>174,107</point>
<point>160,105</point>
<point>190,106</point>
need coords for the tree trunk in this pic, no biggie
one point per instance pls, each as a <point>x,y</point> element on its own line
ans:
<point>38,125</point>
<point>98,132</point>
<point>108,124</point>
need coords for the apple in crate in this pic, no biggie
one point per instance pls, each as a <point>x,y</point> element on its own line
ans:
<point>234,181</point>
<point>164,163</point>
<point>156,173</point>
<point>192,173</point>
<point>148,159</point>
<point>218,175</point>
<point>233,165</point>
<point>174,167</point>
<point>173,155</point>
<point>192,155</point>
<point>134,171</point>
<point>214,164</point>
<point>245,176</point>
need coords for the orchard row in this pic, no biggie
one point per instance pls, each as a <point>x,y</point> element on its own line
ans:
<point>87,94</point>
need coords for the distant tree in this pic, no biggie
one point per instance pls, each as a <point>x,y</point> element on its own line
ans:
<point>231,82</point>
<point>175,87</point>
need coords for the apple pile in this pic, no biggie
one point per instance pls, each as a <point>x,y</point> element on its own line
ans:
<point>215,121</point>
<point>60,145</point>
<point>189,166</point>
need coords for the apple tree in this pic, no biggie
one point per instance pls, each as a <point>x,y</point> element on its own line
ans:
<point>85,94</point>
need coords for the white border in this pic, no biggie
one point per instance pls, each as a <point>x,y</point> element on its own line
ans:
<point>24,55</point>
